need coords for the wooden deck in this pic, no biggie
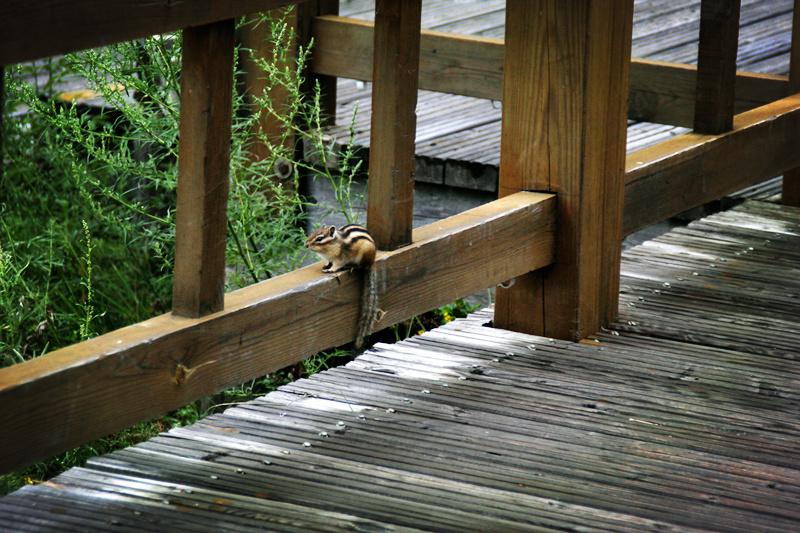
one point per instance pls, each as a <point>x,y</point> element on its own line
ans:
<point>458,137</point>
<point>683,417</point>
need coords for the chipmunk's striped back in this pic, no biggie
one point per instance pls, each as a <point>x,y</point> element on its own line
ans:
<point>358,243</point>
<point>355,232</point>
<point>351,247</point>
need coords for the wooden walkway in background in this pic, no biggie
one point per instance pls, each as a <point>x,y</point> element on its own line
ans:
<point>685,416</point>
<point>458,137</point>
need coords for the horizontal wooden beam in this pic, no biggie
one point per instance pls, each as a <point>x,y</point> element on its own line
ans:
<point>91,389</point>
<point>457,64</point>
<point>49,27</point>
<point>665,92</point>
<point>692,169</point>
<point>473,66</point>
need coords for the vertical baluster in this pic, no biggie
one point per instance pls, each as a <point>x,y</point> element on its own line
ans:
<point>205,131</point>
<point>564,126</point>
<point>394,120</point>
<point>716,66</point>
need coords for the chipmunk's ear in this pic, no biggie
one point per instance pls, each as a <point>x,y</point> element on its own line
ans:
<point>332,231</point>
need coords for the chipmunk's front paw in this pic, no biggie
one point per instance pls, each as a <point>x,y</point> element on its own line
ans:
<point>327,268</point>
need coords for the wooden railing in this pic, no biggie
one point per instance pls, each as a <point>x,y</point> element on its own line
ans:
<point>567,144</point>
<point>661,181</point>
<point>211,340</point>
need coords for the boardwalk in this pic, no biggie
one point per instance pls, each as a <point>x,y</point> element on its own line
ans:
<point>684,416</point>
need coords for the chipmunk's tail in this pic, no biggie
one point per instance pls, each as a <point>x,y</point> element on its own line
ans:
<point>369,306</point>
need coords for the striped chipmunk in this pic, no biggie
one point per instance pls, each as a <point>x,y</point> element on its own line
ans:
<point>351,247</point>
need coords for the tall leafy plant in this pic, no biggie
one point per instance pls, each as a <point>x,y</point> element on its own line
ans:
<point>114,166</point>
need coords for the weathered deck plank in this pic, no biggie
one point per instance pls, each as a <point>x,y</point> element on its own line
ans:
<point>684,417</point>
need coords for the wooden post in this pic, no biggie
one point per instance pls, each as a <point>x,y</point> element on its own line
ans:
<point>205,130</point>
<point>564,106</point>
<point>791,178</point>
<point>716,66</point>
<point>306,11</point>
<point>394,121</point>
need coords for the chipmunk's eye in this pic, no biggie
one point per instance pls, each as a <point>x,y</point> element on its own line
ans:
<point>319,238</point>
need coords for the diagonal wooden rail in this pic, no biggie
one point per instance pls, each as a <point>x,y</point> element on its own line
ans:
<point>87,390</point>
<point>692,169</point>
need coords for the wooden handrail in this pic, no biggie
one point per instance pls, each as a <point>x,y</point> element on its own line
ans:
<point>692,169</point>
<point>473,66</point>
<point>32,30</point>
<point>87,390</point>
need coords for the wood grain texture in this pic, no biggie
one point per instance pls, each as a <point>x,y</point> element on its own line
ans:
<point>565,89</point>
<point>716,65</point>
<point>660,91</point>
<point>604,151</point>
<point>49,27</point>
<point>457,64</point>
<point>90,389</point>
<point>521,306</point>
<point>394,122</point>
<point>791,178</point>
<point>693,169</point>
<point>665,92</point>
<point>203,169</point>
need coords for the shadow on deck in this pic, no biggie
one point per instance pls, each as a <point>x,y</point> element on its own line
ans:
<point>685,415</point>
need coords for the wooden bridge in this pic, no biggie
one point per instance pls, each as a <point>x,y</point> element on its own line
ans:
<point>655,389</point>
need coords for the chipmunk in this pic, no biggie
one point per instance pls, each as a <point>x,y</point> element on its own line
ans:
<point>351,247</point>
